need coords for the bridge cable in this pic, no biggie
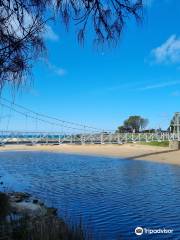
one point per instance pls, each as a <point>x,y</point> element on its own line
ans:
<point>54,118</point>
<point>39,119</point>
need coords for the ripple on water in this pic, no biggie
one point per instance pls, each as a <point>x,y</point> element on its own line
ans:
<point>112,195</point>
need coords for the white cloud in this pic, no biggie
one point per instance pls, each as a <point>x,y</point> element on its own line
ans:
<point>50,34</point>
<point>16,28</point>
<point>57,70</point>
<point>13,25</point>
<point>159,85</point>
<point>138,86</point>
<point>168,52</point>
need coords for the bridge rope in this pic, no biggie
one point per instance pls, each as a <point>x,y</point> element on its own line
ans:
<point>63,122</point>
<point>11,108</point>
<point>39,119</point>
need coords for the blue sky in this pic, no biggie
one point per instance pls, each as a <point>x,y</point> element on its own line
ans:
<point>102,88</point>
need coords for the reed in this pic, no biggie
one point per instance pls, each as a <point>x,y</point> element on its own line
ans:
<point>48,227</point>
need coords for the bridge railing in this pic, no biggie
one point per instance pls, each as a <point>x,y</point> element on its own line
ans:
<point>19,137</point>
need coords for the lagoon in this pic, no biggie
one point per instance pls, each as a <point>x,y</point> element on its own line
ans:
<point>112,196</point>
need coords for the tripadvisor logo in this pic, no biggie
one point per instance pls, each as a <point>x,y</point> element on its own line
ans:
<point>139,231</point>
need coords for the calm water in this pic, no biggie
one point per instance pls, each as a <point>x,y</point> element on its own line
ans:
<point>113,196</point>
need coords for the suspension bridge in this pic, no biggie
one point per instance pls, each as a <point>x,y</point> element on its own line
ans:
<point>59,131</point>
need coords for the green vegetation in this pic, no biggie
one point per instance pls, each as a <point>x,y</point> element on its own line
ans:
<point>133,124</point>
<point>158,144</point>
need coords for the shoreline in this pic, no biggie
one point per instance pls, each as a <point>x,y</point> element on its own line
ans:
<point>128,151</point>
<point>25,217</point>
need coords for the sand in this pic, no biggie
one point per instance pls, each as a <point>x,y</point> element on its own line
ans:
<point>130,151</point>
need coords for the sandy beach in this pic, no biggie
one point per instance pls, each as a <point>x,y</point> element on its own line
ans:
<point>130,151</point>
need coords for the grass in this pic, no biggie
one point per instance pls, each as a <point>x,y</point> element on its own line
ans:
<point>157,144</point>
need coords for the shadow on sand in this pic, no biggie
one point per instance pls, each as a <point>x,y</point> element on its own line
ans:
<point>152,153</point>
